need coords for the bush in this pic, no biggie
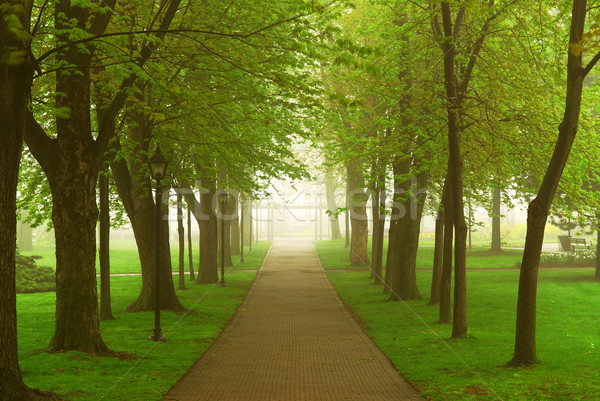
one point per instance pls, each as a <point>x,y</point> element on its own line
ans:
<point>585,257</point>
<point>33,278</point>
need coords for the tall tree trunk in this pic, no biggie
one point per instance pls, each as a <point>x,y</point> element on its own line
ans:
<point>446,279</point>
<point>15,88</point>
<point>331,206</point>
<point>398,168</point>
<point>438,251</point>
<point>190,247</point>
<point>378,234</point>
<point>104,250</point>
<point>227,223</point>
<point>235,227</point>
<point>74,215</point>
<point>247,222</point>
<point>454,97</point>
<point>376,223</point>
<point>71,161</point>
<point>496,239</point>
<point>347,225</point>
<point>406,243</point>
<point>358,198</point>
<point>135,190</point>
<point>207,221</point>
<point>537,213</point>
<point>181,237</point>
<point>208,268</point>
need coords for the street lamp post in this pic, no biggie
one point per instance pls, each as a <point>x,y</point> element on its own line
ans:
<point>223,197</point>
<point>158,167</point>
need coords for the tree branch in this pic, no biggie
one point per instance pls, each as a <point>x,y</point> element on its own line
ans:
<point>43,148</point>
<point>591,64</point>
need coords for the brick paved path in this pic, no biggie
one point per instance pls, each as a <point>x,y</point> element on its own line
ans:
<point>292,339</point>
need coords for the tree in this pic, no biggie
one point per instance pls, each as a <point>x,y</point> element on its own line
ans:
<point>449,37</point>
<point>71,161</point>
<point>357,198</point>
<point>496,199</point>
<point>538,210</point>
<point>104,249</point>
<point>181,237</point>
<point>330,189</point>
<point>16,70</point>
<point>205,215</point>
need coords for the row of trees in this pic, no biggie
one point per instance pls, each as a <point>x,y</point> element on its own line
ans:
<point>91,87</point>
<point>463,99</point>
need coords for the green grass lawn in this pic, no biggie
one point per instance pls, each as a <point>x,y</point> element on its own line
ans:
<point>477,258</point>
<point>473,368</point>
<point>154,367</point>
<point>124,257</point>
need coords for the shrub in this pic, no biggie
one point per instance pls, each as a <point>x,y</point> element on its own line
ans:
<point>585,257</point>
<point>33,278</point>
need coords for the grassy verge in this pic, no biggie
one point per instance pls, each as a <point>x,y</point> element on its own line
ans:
<point>155,367</point>
<point>473,368</point>
<point>477,258</point>
<point>124,257</point>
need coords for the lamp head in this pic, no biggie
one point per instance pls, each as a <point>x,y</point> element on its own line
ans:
<point>158,164</point>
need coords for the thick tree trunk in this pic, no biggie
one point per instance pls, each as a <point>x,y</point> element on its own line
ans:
<point>537,214</point>
<point>406,243</point>
<point>190,247</point>
<point>209,244</point>
<point>496,239</point>
<point>74,215</point>
<point>15,87</point>
<point>358,198</point>
<point>71,162</point>
<point>436,278</point>
<point>136,195</point>
<point>399,168</point>
<point>207,221</point>
<point>181,237</point>
<point>104,250</point>
<point>331,206</point>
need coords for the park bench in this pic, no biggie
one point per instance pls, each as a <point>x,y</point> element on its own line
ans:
<point>569,243</point>
<point>579,243</point>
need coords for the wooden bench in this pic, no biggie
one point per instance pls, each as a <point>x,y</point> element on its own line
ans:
<point>579,243</point>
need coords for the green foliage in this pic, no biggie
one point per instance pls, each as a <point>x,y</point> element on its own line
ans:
<point>33,278</point>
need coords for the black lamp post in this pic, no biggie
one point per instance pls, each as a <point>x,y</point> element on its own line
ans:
<point>158,167</point>
<point>223,197</point>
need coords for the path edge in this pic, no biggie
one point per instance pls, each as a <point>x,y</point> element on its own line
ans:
<point>233,319</point>
<point>359,326</point>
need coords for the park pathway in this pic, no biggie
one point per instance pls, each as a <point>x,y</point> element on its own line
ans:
<point>292,339</point>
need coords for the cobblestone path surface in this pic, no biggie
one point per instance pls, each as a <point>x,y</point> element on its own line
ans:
<point>292,339</point>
